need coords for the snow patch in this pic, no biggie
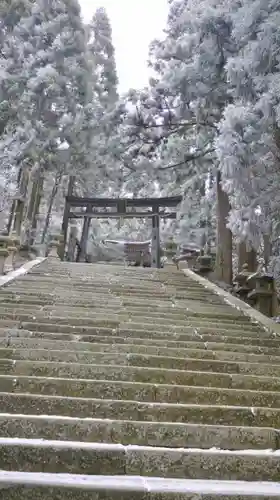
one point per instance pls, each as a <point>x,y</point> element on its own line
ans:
<point>138,483</point>
<point>112,446</point>
<point>21,271</point>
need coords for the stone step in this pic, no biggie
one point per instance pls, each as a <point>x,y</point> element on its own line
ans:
<point>165,367</point>
<point>188,333</point>
<point>209,363</point>
<point>158,317</point>
<point>140,374</point>
<point>115,320</point>
<point>8,296</point>
<point>23,316</point>
<point>127,390</point>
<point>198,414</point>
<point>80,290</point>
<point>107,335</point>
<point>73,457</point>
<point>32,486</point>
<point>168,304</point>
<point>174,435</point>
<point>115,313</point>
<point>48,304</point>
<point>50,351</point>
<point>221,309</point>
<point>206,327</point>
<point>208,350</point>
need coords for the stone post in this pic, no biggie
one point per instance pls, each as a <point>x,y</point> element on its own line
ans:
<point>4,253</point>
<point>72,243</point>
<point>13,248</point>
<point>54,247</point>
<point>263,294</point>
<point>9,262</point>
<point>7,251</point>
<point>60,246</point>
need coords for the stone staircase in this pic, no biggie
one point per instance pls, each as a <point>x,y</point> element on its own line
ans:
<point>125,383</point>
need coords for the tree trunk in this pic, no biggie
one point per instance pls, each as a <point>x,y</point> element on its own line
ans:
<point>65,220</point>
<point>18,206</point>
<point>36,209</point>
<point>50,207</point>
<point>223,269</point>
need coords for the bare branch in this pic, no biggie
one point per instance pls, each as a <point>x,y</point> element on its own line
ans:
<point>190,157</point>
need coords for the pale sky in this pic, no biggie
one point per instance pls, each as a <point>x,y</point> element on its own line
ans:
<point>134,23</point>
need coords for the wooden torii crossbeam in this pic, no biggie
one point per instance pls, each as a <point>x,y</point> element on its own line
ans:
<point>104,208</point>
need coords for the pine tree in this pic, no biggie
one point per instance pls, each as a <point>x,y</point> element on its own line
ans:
<point>102,52</point>
<point>102,174</point>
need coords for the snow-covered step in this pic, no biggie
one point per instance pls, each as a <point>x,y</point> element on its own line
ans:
<point>46,486</point>
<point>127,409</point>
<point>28,455</point>
<point>144,433</point>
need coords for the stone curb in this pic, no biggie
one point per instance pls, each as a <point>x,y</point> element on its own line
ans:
<point>253,314</point>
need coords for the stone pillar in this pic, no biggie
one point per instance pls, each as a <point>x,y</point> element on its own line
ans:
<point>60,246</point>
<point>84,239</point>
<point>155,242</point>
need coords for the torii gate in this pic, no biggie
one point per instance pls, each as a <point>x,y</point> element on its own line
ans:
<point>104,208</point>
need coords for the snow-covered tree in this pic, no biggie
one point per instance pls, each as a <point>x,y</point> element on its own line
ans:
<point>46,67</point>
<point>248,146</point>
<point>102,53</point>
<point>174,124</point>
<point>102,174</point>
